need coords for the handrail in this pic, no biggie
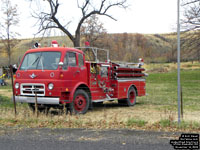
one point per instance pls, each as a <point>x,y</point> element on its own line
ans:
<point>95,52</point>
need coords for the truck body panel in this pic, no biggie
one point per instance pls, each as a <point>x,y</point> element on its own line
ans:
<point>54,75</point>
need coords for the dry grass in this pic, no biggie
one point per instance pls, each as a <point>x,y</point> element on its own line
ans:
<point>167,67</point>
<point>110,116</point>
<point>6,92</point>
<point>149,113</point>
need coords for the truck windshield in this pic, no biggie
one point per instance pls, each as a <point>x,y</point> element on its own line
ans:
<point>41,60</point>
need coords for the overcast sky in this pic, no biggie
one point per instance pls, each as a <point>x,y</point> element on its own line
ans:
<point>142,16</point>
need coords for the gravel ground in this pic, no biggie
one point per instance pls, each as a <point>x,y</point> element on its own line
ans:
<point>80,139</point>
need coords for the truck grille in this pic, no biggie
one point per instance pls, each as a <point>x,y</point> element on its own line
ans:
<point>32,89</point>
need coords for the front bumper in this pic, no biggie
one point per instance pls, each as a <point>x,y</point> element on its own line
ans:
<point>40,100</point>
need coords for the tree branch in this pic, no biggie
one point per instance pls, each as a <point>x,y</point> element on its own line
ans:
<point>49,20</point>
<point>191,2</point>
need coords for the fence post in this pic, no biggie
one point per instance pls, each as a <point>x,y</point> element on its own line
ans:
<point>36,104</point>
<point>181,103</point>
<point>13,96</point>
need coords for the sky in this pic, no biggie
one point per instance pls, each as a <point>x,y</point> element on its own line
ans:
<point>142,16</point>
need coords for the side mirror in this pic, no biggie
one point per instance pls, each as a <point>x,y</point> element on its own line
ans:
<point>14,67</point>
<point>60,64</point>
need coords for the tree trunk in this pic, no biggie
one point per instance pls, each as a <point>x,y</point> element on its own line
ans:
<point>9,59</point>
<point>9,51</point>
<point>76,40</point>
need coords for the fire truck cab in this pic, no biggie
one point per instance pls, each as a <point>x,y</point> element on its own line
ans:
<point>55,76</point>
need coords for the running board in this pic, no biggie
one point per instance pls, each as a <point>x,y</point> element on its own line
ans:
<point>102,100</point>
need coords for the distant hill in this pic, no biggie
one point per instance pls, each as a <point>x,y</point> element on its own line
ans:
<point>123,47</point>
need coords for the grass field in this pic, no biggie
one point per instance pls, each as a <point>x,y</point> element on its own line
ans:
<point>157,110</point>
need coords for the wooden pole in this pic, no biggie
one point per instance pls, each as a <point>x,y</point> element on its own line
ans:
<point>14,102</point>
<point>36,104</point>
<point>181,103</point>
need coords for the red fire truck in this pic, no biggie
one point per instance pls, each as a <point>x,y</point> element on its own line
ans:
<point>58,76</point>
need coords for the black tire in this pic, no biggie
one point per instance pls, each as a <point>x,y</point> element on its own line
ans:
<point>122,101</point>
<point>97,104</point>
<point>80,103</point>
<point>131,97</point>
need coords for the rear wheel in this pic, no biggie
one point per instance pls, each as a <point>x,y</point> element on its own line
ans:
<point>131,98</point>
<point>80,102</point>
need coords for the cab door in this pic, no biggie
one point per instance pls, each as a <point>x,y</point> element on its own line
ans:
<point>74,69</point>
<point>82,69</point>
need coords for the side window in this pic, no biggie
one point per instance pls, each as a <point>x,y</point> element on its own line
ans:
<point>65,63</point>
<point>70,60</point>
<point>80,60</point>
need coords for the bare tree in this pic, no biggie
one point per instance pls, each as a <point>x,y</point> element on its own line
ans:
<point>191,22</point>
<point>93,30</point>
<point>188,2</point>
<point>49,20</point>
<point>9,20</point>
<point>191,46</point>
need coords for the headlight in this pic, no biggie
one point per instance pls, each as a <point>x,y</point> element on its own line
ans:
<point>50,86</point>
<point>16,85</point>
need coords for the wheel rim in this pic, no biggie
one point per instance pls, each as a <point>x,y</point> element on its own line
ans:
<point>132,97</point>
<point>80,103</point>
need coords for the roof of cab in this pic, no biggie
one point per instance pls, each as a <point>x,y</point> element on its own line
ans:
<point>53,49</point>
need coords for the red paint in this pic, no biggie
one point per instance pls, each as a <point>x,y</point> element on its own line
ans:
<point>87,43</point>
<point>97,79</point>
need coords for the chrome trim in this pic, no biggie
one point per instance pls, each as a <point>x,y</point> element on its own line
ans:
<point>146,74</point>
<point>30,91</point>
<point>126,80</point>
<point>32,76</point>
<point>105,65</point>
<point>102,100</point>
<point>40,100</point>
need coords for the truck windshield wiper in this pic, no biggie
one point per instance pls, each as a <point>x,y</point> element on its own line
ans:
<point>33,62</point>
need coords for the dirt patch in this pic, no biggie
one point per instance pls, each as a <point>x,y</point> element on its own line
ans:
<point>6,92</point>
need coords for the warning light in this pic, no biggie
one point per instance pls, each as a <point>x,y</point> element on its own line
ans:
<point>54,43</point>
<point>61,75</point>
<point>141,62</point>
<point>37,45</point>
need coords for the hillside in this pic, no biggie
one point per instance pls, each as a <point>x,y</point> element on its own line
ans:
<point>123,47</point>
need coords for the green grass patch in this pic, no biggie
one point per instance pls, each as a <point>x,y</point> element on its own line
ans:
<point>136,122</point>
<point>5,102</point>
<point>162,89</point>
<point>184,125</point>
<point>6,87</point>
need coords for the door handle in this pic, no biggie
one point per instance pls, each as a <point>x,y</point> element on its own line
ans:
<point>77,72</point>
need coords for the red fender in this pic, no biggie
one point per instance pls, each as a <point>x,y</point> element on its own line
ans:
<point>74,89</point>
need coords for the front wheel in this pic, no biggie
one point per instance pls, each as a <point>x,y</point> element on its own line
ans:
<point>80,102</point>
